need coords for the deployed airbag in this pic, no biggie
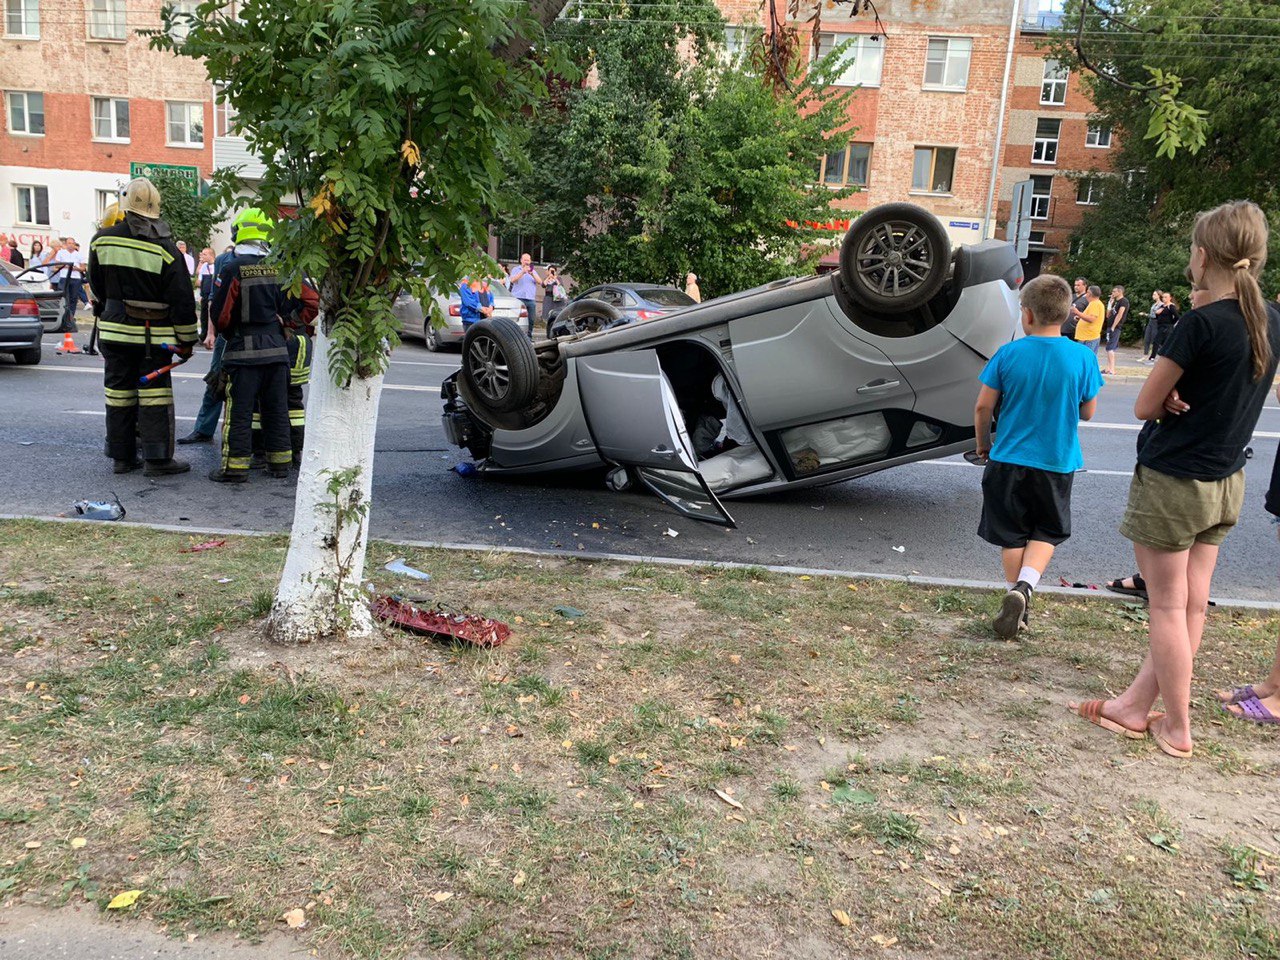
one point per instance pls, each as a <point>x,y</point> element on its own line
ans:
<point>735,468</point>
<point>816,446</point>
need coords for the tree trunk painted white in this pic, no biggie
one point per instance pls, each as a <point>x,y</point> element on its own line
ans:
<point>319,594</point>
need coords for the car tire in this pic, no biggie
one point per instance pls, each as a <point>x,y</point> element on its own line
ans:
<point>27,358</point>
<point>583,316</point>
<point>429,337</point>
<point>499,365</point>
<point>894,258</point>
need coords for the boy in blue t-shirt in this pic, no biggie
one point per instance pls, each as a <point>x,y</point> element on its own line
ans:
<point>1045,385</point>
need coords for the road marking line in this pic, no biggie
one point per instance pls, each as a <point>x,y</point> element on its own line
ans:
<point>1135,427</point>
<point>1126,427</point>
<point>429,388</point>
<point>426,363</point>
<point>978,466</point>
<point>103,413</point>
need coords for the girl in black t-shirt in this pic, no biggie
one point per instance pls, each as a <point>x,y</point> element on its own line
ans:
<point>1201,405</point>
<point>1260,702</point>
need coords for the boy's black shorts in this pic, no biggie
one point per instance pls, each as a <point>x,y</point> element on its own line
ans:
<point>1024,503</point>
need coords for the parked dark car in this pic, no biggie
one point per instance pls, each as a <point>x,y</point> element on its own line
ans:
<point>794,384</point>
<point>20,327</point>
<point>615,304</point>
<point>52,304</point>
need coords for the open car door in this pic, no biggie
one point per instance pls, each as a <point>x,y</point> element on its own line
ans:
<point>634,419</point>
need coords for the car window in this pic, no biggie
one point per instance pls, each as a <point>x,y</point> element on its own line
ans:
<point>629,299</point>
<point>666,296</point>
<point>610,296</point>
<point>6,270</point>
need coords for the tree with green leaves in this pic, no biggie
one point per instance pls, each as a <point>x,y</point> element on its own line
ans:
<point>1223,54</point>
<point>1222,58</point>
<point>677,159</point>
<point>192,214</point>
<point>385,122</point>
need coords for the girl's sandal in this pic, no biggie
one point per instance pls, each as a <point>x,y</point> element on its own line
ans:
<point>1091,710</point>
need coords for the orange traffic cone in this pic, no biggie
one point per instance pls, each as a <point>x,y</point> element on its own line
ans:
<point>69,344</point>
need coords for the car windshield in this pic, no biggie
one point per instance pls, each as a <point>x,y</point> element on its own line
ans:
<point>665,296</point>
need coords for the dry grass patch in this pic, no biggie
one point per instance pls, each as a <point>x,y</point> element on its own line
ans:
<point>707,764</point>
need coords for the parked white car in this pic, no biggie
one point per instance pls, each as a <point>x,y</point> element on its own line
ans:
<point>414,321</point>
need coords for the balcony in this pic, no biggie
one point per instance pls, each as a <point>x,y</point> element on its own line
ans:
<point>1041,22</point>
<point>234,152</point>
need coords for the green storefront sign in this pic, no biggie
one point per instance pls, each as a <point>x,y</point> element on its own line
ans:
<point>167,171</point>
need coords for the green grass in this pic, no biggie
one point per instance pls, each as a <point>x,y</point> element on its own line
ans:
<point>565,795</point>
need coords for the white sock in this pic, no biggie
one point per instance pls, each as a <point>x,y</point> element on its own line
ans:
<point>1030,576</point>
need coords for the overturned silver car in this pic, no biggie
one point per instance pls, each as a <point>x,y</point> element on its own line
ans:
<point>797,383</point>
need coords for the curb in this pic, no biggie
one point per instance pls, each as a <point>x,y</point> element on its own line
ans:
<point>601,556</point>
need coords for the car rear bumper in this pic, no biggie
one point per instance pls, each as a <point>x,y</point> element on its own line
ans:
<point>21,334</point>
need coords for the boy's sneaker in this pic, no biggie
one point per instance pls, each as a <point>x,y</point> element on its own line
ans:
<point>1013,611</point>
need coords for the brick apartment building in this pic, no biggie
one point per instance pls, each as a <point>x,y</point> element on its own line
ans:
<point>84,98</point>
<point>1050,140</point>
<point>927,109</point>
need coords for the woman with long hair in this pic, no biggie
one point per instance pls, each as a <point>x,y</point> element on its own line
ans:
<point>1201,405</point>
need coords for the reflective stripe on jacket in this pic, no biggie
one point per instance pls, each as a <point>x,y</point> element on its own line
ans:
<point>141,292</point>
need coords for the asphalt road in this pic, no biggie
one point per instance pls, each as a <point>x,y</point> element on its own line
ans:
<point>916,519</point>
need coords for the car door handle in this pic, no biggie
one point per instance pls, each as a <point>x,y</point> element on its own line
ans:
<point>878,386</point>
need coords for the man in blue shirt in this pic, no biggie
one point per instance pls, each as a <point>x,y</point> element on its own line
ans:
<point>1045,385</point>
<point>524,283</point>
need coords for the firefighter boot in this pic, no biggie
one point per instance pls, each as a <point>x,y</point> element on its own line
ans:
<point>165,468</point>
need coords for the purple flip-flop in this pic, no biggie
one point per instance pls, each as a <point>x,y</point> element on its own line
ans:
<point>1254,712</point>
<point>1241,693</point>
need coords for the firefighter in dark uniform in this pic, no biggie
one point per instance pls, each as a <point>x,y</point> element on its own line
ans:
<point>248,304</point>
<point>142,302</point>
<point>297,333</point>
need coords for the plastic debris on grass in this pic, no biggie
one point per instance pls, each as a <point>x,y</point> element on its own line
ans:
<point>399,566</point>
<point>465,627</point>
<point>569,613</point>
<point>201,547</point>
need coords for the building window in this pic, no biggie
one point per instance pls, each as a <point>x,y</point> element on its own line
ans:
<point>847,167</point>
<point>106,20</point>
<point>932,169</point>
<point>1046,145</point>
<point>946,64</point>
<point>184,12</point>
<point>22,18</point>
<point>1098,136</point>
<point>224,114</point>
<point>740,41</point>
<point>1053,88</point>
<point>1036,237</point>
<point>111,119</point>
<point>1089,190</point>
<point>33,205</point>
<point>103,199</point>
<point>26,113</point>
<point>1043,14</point>
<point>1041,193</point>
<point>185,124</point>
<point>862,54</point>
